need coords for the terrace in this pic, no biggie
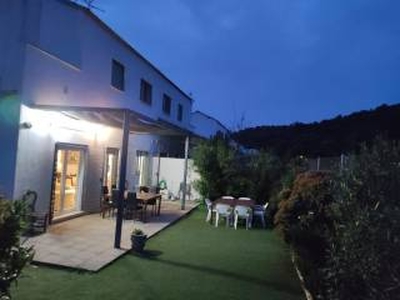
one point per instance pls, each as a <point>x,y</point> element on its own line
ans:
<point>189,260</point>
<point>87,242</point>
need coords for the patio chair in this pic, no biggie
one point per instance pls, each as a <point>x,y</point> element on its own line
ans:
<point>244,198</point>
<point>114,201</point>
<point>210,209</point>
<point>105,202</point>
<point>144,189</point>
<point>131,206</point>
<point>38,221</point>
<point>151,203</point>
<point>228,197</point>
<point>259,211</point>
<point>243,212</point>
<point>224,211</point>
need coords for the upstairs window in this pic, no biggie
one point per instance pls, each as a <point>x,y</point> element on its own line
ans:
<point>145,92</point>
<point>166,106</point>
<point>118,75</point>
<point>180,112</point>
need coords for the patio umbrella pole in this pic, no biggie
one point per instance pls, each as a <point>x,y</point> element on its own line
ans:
<point>122,179</point>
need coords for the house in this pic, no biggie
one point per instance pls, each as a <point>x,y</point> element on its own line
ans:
<point>207,126</point>
<point>80,108</point>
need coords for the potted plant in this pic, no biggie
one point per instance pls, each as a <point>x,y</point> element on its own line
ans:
<point>138,239</point>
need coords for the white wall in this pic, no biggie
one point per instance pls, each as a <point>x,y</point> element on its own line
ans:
<point>12,39</point>
<point>151,144</point>
<point>172,170</point>
<point>71,65</point>
<point>36,148</point>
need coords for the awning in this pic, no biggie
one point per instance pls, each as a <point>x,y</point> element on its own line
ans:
<point>112,117</point>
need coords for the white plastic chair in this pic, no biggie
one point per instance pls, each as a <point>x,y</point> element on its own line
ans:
<point>228,197</point>
<point>259,211</point>
<point>244,198</point>
<point>243,212</point>
<point>224,211</point>
<point>210,209</point>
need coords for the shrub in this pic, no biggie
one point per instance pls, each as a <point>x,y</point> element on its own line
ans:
<point>304,218</point>
<point>13,256</point>
<point>265,170</point>
<point>345,227</point>
<point>362,254</point>
<point>214,161</point>
<point>224,170</point>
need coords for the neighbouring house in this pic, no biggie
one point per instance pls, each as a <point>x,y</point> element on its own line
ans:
<point>207,126</point>
<point>72,92</point>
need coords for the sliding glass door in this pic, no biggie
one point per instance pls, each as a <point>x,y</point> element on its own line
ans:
<point>68,180</point>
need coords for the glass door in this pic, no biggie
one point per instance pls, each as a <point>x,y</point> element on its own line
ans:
<point>69,168</point>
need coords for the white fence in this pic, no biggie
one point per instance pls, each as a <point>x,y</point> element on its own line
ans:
<point>171,170</point>
<point>327,163</point>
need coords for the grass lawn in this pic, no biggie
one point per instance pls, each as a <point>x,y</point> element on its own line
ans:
<point>190,260</point>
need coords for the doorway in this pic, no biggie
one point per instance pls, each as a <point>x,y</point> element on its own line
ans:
<point>68,180</point>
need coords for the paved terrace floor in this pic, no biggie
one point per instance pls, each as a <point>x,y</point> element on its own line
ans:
<point>87,242</point>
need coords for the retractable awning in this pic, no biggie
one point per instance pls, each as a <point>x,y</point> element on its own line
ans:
<point>130,122</point>
<point>112,117</point>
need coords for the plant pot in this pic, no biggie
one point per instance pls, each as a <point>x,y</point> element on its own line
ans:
<point>138,242</point>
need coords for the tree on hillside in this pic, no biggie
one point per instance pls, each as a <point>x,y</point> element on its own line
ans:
<point>326,138</point>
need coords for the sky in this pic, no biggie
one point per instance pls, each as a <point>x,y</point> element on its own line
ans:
<point>269,62</point>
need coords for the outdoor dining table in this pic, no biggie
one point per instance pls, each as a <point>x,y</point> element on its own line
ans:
<point>234,202</point>
<point>145,198</point>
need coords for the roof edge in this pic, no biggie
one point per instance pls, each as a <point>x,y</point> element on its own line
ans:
<point>212,118</point>
<point>115,35</point>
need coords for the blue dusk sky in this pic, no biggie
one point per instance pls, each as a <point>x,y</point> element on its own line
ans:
<point>269,62</point>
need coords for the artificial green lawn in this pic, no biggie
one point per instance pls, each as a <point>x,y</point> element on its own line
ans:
<point>190,260</point>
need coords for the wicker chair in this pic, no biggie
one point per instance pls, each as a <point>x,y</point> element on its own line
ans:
<point>38,221</point>
<point>131,207</point>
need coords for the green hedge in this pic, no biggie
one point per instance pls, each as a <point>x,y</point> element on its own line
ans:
<point>13,256</point>
<point>345,227</point>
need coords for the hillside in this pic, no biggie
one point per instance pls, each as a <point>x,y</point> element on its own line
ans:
<point>326,138</point>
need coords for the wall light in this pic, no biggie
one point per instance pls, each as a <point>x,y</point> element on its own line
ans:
<point>25,125</point>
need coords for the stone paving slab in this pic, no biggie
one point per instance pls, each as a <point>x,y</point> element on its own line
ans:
<point>87,242</point>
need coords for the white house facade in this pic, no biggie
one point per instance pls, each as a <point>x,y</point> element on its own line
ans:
<point>76,103</point>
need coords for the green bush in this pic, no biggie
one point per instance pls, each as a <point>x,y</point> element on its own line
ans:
<point>13,256</point>
<point>362,257</point>
<point>214,159</point>
<point>225,170</point>
<point>345,227</point>
<point>304,218</point>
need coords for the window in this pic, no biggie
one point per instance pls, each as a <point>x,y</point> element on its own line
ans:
<point>180,112</point>
<point>166,106</point>
<point>110,176</point>
<point>145,92</point>
<point>143,170</point>
<point>118,75</point>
